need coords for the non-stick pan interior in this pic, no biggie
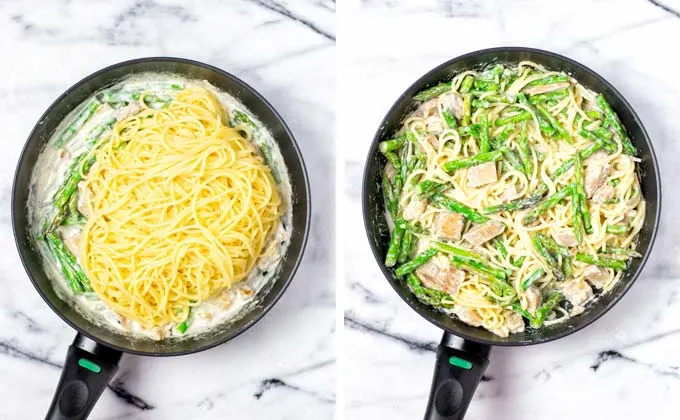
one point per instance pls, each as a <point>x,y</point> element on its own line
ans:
<point>258,106</point>
<point>374,216</point>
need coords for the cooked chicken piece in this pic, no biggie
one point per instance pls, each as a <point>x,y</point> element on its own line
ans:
<point>390,171</point>
<point>532,299</point>
<point>454,102</point>
<point>604,193</point>
<point>577,292</point>
<point>468,316</point>
<point>427,109</point>
<point>482,174</point>
<point>597,276</point>
<point>84,198</point>
<point>514,322</point>
<point>133,108</point>
<point>445,278</point>
<point>414,209</point>
<point>509,194</point>
<point>449,225</point>
<point>599,155</point>
<point>536,90</point>
<point>433,141</point>
<point>435,124</point>
<point>565,237</point>
<point>596,175</point>
<point>484,232</point>
<point>71,239</point>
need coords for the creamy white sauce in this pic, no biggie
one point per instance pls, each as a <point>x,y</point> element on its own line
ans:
<point>227,306</point>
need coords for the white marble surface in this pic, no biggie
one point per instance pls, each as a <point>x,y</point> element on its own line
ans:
<point>627,364</point>
<point>282,368</point>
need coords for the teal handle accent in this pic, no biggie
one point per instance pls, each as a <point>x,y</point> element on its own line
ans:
<point>461,363</point>
<point>89,365</point>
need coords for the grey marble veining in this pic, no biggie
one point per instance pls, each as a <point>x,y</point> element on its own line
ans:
<point>283,368</point>
<point>624,366</point>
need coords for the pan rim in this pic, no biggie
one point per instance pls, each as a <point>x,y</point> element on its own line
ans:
<point>298,156</point>
<point>421,83</point>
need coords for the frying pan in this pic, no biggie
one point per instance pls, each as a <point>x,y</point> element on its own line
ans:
<point>92,359</point>
<point>462,356</point>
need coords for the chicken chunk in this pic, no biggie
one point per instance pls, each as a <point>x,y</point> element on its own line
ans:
<point>414,209</point>
<point>565,237</point>
<point>129,110</point>
<point>390,171</point>
<point>536,90</point>
<point>481,175</point>
<point>577,292</point>
<point>433,142</point>
<point>532,299</point>
<point>445,278</point>
<point>468,316</point>
<point>595,175</point>
<point>454,102</point>
<point>449,225</point>
<point>427,109</point>
<point>604,193</point>
<point>84,198</point>
<point>435,124</point>
<point>71,239</point>
<point>484,232</point>
<point>513,324</point>
<point>509,194</point>
<point>597,276</point>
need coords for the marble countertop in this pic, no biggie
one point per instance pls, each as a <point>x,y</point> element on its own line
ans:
<point>624,366</point>
<point>282,368</point>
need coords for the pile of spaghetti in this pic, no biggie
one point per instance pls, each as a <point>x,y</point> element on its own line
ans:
<point>179,208</point>
<point>513,197</point>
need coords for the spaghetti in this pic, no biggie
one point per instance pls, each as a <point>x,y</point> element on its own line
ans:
<point>181,207</point>
<point>526,185</point>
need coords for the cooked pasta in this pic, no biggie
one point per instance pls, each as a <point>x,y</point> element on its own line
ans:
<point>167,204</point>
<point>513,197</point>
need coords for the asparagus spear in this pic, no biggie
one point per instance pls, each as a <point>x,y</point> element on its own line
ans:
<point>486,86</point>
<point>500,246</point>
<point>76,278</point>
<point>391,200</point>
<point>419,260</point>
<point>455,251</point>
<point>392,144</point>
<point>517,204</point>
<point>617,229</point>
<point>519,261</point>
<point>554,123</point>
<point>532,278</point>
<point>548,80</point>
<point>405,247</point>
<point>466,84</point>
<point>622,251</point>
<point>577,216</point>
<point>184,325</point>
<point>569,163</point>
<point>544,125</point>
<point>553,246</point>
<point>393,159</point>
<point>478,266</point>
<point>484,145</point>
<point>120,97</point>
<point>613,120</point>
<point>79,166</point>
<point>512,158</point>
<point>269,160</point>
<point>433,92</point>
<point>78,122</point>
<point>428,188</point>
<point>450,119</point>
<point>518,308</point>
<point>548,257</point>
<point>545,309</point>
<point>546,204</point>
<point>101,128</point>
<point>580,188</point>
<point>519,117</point>
<point>467,109</point>
<point>600,138</point>
<point>549,96</point>
<point>475,160</point>
<point>456,207</point>
<point>602,261</point>
<point>395,243</point>
<point>595,115</point>
<point>525,151</point>
<point>426,295</point>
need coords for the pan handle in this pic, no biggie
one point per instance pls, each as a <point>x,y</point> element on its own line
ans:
<point>459,369</point>
<point>88,369</point>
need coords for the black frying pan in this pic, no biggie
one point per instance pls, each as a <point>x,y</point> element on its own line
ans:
<point>462,356</point>
<point>92,359</point>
